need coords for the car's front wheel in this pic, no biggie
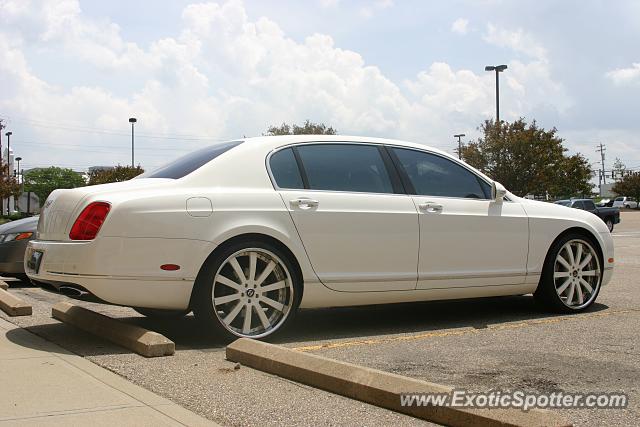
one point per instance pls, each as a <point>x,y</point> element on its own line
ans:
<point>250,289</point>
<point>571,276</point>
<point>609,223</point>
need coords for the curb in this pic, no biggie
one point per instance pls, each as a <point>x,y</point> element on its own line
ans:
<point>376,387</point>
<point>142,341</point>
<point>13,306</point>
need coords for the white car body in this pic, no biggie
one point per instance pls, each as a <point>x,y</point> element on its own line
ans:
<point>625,202</point>
<point>353,249</point>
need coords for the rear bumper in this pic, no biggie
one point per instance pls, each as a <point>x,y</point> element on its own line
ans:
<point>122,271</point>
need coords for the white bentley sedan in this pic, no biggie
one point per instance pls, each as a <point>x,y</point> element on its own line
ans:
<point>244,233</point>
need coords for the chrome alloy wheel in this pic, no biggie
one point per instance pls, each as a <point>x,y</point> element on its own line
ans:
<point>576,274</point>
<point>252,293</point>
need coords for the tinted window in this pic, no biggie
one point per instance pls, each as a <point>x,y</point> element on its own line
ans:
<point>190,162</point>
<point>285,169</point>
<point>619,199</point>
<point>578,205</point>
<point>345,167</point>
<point>563,203</point>
<point>589,205</point>
<point>432,175</point>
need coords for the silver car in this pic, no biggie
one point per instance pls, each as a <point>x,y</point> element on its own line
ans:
<point>14,237</point>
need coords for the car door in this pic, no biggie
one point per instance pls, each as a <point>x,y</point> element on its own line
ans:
<point>359,231</point>
<point>466,239</point>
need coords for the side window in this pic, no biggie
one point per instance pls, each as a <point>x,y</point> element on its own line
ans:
<point>432,175</point>
<point>589,205</point>
<point>284,169</point>
<point>578,205</point>
<point>345,167</point>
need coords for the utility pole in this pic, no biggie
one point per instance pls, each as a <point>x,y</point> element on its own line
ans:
<point>601,149</point>
<point>460,135</point>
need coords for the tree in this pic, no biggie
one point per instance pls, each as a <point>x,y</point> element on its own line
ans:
<point>117,174</point>
<point>528,159</point>
<point>9,186</point>
<point>308,128</point>
<point>43,181</point>
<point>619,169</point>
<point>628,186</point>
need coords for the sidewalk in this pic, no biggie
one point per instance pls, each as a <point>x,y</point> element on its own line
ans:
<point>45,385</point>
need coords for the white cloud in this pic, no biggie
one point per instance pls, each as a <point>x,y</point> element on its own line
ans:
<point>625,76</point>
<point>376,6</point>
<point>226,76</point>
<point>460,26</point>
<point>518,40</point>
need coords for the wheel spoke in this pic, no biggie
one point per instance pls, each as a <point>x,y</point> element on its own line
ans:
<point>580,297</point>
<point>265,273</point>
<point>563,261</point>
<point>246,327</point>
<point>275,304</point>
<point>564,286</point>
<point>586,285</point>
<point>234,313</point>
<point>589,273</point>
<point>253,259</point>
<point>236,267</point>
<point>278,285</point>
<point>579,254</point>
<point>585,261</point>
<point>228,282</point>
<point>559,274</point>
<point>572,289</point>
<point>263,317</point>
<point>226,299</point>
<point>569,251</point>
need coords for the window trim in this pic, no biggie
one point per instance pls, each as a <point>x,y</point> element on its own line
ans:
<point>406,188</point>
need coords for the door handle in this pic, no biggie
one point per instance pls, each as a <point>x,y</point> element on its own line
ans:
<point>304,203</point>
<point>430,207</point>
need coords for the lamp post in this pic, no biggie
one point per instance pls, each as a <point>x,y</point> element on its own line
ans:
<point>460,135</point>
<point>9,152</point>
<point>18,168</point>
<point>132,120</point>
<point>498,69</point>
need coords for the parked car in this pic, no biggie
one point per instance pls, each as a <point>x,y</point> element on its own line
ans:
<point>605,203</point>
<point>14,237</point>
<point>625,202</point>
<point>244,233</point>
<point>610,216</point>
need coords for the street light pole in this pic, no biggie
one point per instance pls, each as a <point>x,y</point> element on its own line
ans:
<point>9,152</point>
<point>460,135</point>
<point>498,69</point>
<point>132,120</point>
<point>18,168</point>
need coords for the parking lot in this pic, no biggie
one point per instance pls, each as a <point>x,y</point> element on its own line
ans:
<point>474,344</point>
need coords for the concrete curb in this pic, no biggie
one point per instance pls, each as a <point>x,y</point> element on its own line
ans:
<point>375,387</point>
<point>142,341</point>
<point>4,285</point>
<point>14,306</point>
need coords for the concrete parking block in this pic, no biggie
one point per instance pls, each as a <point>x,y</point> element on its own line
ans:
<point>12,305</point>
<point>375,387</point>
<point>142,341</point>
<point>4,285</point>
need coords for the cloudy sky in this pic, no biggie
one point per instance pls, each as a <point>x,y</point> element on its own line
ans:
<point>73,72</point>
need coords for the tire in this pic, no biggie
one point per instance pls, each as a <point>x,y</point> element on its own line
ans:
<point>228,287</point>
<point>609,223</point>
<point>564,287</point>
<point>161,314</point>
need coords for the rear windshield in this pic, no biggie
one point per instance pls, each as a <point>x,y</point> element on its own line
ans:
<point>190,162</point>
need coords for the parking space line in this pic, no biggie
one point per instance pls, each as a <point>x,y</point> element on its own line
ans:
<point>462,331</point>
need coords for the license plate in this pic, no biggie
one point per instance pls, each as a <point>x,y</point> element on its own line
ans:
<point>34,261</point>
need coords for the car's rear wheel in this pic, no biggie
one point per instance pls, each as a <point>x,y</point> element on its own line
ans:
<point>250,289</point>
<point>609,223</point>
<point>161,314</point>
<point>572,275</point>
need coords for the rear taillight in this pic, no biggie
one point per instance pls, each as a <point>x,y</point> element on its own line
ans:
<point>89,221</point>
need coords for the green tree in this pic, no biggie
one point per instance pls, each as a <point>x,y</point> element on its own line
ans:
<point>308,128</point>
<point>9,186</point>
<point>43,181</point>
<point>528,159</point>
<point>628,186</point>
<point>117,174</point>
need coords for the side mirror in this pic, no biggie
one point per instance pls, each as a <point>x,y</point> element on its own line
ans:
<point>498,192</point>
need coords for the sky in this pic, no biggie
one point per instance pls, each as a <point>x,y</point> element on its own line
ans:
<point>73,72</point>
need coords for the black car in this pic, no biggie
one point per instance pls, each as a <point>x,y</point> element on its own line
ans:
<point>14,237</point>
<point>610,216</point>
